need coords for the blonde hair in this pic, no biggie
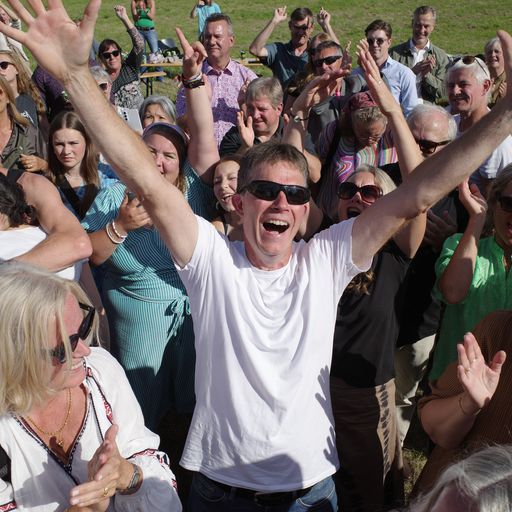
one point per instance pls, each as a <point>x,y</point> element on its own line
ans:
<point>32,303</point>
<point>11,106</point>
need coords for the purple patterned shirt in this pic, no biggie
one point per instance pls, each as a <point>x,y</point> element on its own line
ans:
<point>225,86</point>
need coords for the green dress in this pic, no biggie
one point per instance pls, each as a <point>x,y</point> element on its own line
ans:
<point>147,307</point>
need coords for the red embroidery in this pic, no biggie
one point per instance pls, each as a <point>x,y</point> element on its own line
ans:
<point>8,506</point>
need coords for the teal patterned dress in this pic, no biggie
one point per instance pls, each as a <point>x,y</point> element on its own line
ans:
<point>147,306</point>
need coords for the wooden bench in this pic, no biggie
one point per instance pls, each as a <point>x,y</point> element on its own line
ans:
<point>148,77</point>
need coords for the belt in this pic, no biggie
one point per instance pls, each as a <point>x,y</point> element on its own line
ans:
<point>145,29</point>
<point>264,498</point>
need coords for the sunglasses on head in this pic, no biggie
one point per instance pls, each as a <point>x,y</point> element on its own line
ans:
<point>59,352</point>
<point>505,203</point>
<point>5,64</point>
<point>269,190</point>
<point>369,193</point>
<point>114,53</point>
<point>429,146</point>
<point>379,40</point>
<point>326,60</point>
<point>470,59</point>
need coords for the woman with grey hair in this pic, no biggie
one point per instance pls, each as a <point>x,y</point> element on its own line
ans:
<point>157,109</point>
<point>494,60</point>
<point>72,436</point>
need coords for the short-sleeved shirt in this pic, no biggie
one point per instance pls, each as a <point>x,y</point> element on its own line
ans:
<point>283,62</point>
<point>203,11</point>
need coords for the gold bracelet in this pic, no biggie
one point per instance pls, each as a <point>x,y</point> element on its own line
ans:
<point>462,408</point>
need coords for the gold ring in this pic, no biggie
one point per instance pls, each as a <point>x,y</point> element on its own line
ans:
<point>105,492</point>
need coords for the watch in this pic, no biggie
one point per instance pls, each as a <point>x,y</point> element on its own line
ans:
<point>298,119</point>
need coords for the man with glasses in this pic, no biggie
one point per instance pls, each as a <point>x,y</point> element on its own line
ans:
<point>285,59</point>
<point>427,61</point>
<point>468,83</point>
<point>264,308</point>
<point>400,78</point>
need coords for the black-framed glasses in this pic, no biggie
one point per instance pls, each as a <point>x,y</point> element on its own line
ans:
<point>471,59</point>
<point>505,203</point>
<point>369,193</point>
<point>5,64</point>
<point>326,60</point>
<point>114,53</point>
<point>379,40</point>
<point>429,146</point>
<point>59,352</point>
<point>269,190</point>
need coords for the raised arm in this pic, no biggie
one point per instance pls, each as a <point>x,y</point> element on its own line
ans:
<point>257,47</point>
<point>324,20</point>
<point>435,177</point>
<point>457,277</point>
<point>448,420</point>
<point>409,156</point>
<point>202,152</point>
<point>66,242</point>
<point>62,48</point>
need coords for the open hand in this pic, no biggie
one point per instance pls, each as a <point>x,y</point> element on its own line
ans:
<point>245,129</point>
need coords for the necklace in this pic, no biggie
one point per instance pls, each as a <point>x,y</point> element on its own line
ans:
<point>56,433</point>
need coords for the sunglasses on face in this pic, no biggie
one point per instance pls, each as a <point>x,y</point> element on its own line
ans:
<point>369,193</point>
<point>107,55</point>
<point>326,60</point>
<point>379,40</point>
<point>269,190</point>
<point>429,146</point>
<point>59,352</point>
<point>4,65</point>
<point>505,203</point>
<point>300,27</point>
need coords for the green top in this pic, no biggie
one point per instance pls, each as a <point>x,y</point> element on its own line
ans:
<point>144,20</point>
<point>490,290</point>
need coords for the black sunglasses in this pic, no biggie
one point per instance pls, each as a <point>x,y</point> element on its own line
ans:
<point>4,64</point>
<point>429,146</point>
<point>59,352</point>
<point>470,59</point>
<point>505,203</point>
<point>326,60</point>
<point>269,190</point>
<point>115,53</point>
<point>369,193</point>
<point>299,27</point>
<point>379,40</point>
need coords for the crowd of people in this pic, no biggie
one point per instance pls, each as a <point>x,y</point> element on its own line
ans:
<point>232,307</point>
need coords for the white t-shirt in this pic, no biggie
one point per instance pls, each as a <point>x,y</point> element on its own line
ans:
<point>263,416</point>
<point>497,160</point>
<point>14,242</point>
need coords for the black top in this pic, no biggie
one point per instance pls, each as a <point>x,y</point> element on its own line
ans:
<point>367,325</point>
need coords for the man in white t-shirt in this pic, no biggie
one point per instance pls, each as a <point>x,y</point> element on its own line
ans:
<point>468,83</point>
<point>263,308</point>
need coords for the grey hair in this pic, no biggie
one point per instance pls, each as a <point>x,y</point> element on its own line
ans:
<point>428,110</point>
<point>488,46</point>
<point>164,102</point>
<point>99,74</point>
<point>219,16</point>
<point>269,87</point>
<point>484,480</point>
<point>478,67</point>
<point>381,178</point>
<point>424,9</point>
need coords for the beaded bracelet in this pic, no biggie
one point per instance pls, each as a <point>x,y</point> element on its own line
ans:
<point>462,408</point>
<point>187,81</point>
<point>111,236</point>
<point>121,237</point>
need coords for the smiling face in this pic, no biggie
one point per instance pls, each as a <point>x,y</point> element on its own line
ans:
<point>494,59</point>
<point>10,73</point>
<point>225,182</point>
<point>321,66</point>
<point>430,127</point>
<point>270,226</point>
<point>465,94</point>
<point>166,156</point>
<point>300,32</point>
<point>348,208</point>
<point>422,26</point>
<point>112,63</point>
<point>265,117</point>
<point>69,147</point>
<point>503,223</point>
<point>368,133</point>
<point>379,45</point>
<point>217,42</point>
<point>154,113</point>
<point>63,376</point>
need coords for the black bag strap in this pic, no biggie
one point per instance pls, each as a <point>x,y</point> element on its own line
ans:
<point>80,206</point>
<point>5,466</point>
<point>332,149</point>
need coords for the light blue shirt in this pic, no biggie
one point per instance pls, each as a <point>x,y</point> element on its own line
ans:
<point>401,81</point>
